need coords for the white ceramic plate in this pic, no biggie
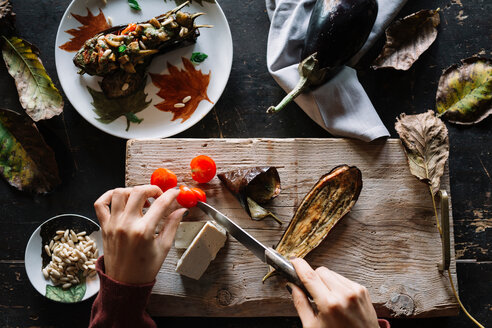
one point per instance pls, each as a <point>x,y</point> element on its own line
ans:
<point>216,42</point>
<point>34,250</point>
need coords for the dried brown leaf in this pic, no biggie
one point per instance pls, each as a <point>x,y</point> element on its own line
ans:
<point>407,39</point>
<point>177,85</point>
<point>425,139</point>
<point>7,17</point>
<point>91,25</point>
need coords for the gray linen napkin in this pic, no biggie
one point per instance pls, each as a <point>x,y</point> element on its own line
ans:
<point>341,106</point>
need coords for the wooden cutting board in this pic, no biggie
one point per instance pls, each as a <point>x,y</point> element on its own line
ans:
<point>388,242</point>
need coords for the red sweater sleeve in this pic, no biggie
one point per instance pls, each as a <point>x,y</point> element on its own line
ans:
<point>119,304</point>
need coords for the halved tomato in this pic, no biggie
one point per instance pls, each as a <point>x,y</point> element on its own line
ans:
<point>187,197</point>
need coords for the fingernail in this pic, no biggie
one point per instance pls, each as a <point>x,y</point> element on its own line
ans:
<point>292,257</point>
<point>289,289</point>
<point>185,214</point>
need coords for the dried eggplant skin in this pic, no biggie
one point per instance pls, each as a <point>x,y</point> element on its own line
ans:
<point>331,198</point>
<point>254,186</point>
<point>259,183</point>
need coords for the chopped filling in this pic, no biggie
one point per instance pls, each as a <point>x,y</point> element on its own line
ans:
<point>130,46</point>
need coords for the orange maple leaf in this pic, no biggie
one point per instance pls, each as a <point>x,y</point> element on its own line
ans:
<point>91,25</point>
<point>179,85</point>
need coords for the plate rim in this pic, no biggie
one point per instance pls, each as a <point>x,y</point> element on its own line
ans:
<point>163,135</point>
<point>86,296</point>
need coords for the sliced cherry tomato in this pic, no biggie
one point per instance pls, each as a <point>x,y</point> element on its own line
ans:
<point>187,197</point>
<point>130,28</point>
<point>202,169</point>
<point>164,179</point>
<point>200,194</point>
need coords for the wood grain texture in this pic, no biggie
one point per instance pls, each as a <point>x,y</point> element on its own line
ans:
<point>388,243</point>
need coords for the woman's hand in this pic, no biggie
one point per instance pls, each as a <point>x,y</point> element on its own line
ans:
<point>136,245</point>
<point>340,302</point>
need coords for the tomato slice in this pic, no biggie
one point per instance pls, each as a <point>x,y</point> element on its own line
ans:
<point>164,179</point>
<point>203,169</point>
<point>186,198</point>
<point>130,28</point>
<point>200,194</point>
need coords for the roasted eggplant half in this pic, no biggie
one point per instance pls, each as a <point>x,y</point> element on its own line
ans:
<point>252,187</point>
<point>122,53</point>
<point>337,30</point>
<point>331,198</point>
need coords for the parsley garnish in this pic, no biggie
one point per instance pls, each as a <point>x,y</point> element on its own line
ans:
<point>134,4</point>
<point>122,48</point>
<point>198,57</point>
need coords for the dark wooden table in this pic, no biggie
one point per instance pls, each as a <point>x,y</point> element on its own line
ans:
<point>91,161</point>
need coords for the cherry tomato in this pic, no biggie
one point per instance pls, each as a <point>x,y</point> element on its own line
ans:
<point>200,194</point>
<point>202,169</point>
<point>164,179</point>
<point>186,198</point>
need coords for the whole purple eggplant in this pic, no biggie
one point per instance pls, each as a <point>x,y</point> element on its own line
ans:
<point>337,30</point>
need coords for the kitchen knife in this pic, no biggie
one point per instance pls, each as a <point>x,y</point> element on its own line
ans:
<point>265,254</point>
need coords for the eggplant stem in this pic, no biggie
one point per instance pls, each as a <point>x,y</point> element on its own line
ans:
<point>268,275</point>
<point>299,88</point>
<point>275,218</point>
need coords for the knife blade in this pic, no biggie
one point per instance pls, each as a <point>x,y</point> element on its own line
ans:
<point>265,254</point>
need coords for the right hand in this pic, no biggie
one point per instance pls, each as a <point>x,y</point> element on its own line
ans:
<point>340,302</point>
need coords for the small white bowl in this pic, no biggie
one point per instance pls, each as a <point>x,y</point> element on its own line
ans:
<point>35,250</point>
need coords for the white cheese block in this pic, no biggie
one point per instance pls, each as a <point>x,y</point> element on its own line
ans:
<point>186,232</point>
<point>202,251</point>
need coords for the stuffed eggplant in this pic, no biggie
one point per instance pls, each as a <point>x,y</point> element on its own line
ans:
<point>337,30</point>
<point>122,53</point>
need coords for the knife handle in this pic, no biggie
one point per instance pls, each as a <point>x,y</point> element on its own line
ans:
<point>285,268</point>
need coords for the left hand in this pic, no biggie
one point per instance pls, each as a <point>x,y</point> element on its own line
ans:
<point>133,250</point>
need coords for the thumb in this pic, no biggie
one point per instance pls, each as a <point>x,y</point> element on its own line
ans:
<point>303,306</point>
<point>171,223</point>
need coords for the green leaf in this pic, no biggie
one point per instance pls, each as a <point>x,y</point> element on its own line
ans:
<point>200,2</point>
<point>130,117</point>
<point>464,94</point>
<point>134,4</point>
<point>122,48</point>
<point>109,110</point>
<point>71,295</point>
<point>133,118</point>
<point>37,93</point>
<point>198,57</point>
<point>26,161</point>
